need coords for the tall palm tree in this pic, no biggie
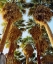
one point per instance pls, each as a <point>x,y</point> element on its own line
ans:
<point>9,18</point>
<point>42,18</point>
<point>13,35</point>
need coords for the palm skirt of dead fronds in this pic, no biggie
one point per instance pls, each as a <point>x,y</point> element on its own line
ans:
<point>11,12</point>
<point>42,13</point>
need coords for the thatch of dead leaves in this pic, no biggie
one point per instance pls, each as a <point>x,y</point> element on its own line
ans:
<point>11,12</point>
<point>42,13</point>
<point>28,50</point>
<point>14,33</point>
<point>35,32</point>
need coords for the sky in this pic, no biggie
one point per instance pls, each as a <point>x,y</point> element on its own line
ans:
<point>28,1</point>
<point>25,33</point>
<point>51,24</point>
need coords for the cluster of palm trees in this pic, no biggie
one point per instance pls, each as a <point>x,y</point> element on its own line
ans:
<point>40,39</point>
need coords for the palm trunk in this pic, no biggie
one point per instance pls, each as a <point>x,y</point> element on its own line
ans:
<point>11,48</point>
<point>10,55</point>
<point>42,23</point>
<point>5,36</point>
<point>49,33</point>
<point>38,54</point>
<point>27,59</point>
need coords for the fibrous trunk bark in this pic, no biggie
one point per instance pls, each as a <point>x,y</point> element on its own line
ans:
<point>49,33</point>
<point>38,54</point>
<point>27,59</point>
<point>5,36</point>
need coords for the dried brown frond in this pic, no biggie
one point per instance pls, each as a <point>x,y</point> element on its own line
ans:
<point>31,62</point>
<point>42,13</point>
<point>28,50</point>
<point>12,48</point>
<point>47,58</point>
<point>43,45</point>
<point>14,33</point>
<point>11,12</point>
<point>31,10</point>
<point>35,32</point>
<point>12,60</point>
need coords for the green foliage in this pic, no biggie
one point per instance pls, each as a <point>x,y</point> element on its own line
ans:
<point>1,4</point>
<point>34,1</point>
<point>20,24</point>
<point>30,24</point>
<point>17,53</point>
<point>27,40</point>
<point>3,0</point>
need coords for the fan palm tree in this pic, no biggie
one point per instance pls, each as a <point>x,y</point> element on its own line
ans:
<point>41,18</point>
<point>13,35</point>
<point>9,18</point>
